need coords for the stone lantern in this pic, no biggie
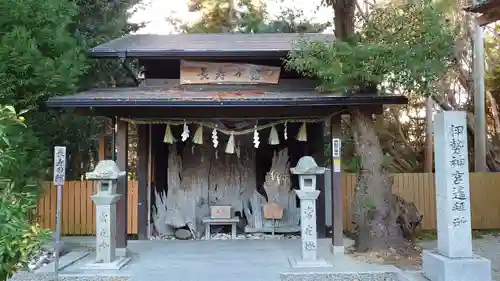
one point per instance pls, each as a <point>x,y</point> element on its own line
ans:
<point>106,173</point>
<point>307,170</point>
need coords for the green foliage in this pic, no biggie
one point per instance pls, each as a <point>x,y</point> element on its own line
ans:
<point>353,165</point>
<point>22,159</point>
<point>249,18</point>
<point>493,56</point>
<point>407,46</point>
<point>214,17</point>
<point>288,21</point>
<point>39,57</point>
<point>19,238</point>
<point>91,22</point>
<point>97,22</point>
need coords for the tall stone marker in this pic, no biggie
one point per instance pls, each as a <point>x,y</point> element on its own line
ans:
<point>307,170</point>
<point>453,260</point>
<point>106,174</point>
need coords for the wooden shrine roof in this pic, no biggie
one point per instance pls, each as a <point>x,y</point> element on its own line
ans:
<point>489,10</point>
<point>204,45</point>
<point>289,94</point>
<point>178,99</point>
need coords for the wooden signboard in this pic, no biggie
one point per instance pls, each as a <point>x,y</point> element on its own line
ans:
<point>273,211</point>
<point>59,178</point>
<point>59,165</point>
<point>227,73</point>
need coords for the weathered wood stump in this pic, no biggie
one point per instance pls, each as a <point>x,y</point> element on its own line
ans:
<point>278,190</point>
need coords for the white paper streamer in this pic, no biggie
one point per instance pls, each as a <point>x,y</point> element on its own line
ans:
<point>256,141</point>
<point>286,131</point>
<point>215,140</point>
<point>185,132</point>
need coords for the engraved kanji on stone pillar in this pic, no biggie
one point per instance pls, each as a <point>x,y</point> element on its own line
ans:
<point>106,174</point>
<point>453,260</point>
<point>307,170</point>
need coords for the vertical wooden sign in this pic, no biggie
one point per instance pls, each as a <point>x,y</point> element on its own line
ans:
<point>59,178</point>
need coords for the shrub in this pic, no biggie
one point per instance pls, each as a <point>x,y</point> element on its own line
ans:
<point>20,239</point>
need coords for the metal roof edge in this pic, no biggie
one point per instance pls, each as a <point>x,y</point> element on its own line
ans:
<point>480,6</point>
<point>179,54</point>
<point>352,101</point>
<point>106,49</point>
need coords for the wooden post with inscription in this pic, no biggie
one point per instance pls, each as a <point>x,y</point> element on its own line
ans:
<point>59,178</point>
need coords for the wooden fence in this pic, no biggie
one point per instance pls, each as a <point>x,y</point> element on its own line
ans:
<point>78,211</point>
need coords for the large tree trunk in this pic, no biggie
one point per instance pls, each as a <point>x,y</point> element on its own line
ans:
<point>344,17</point>
<point>376,225</point>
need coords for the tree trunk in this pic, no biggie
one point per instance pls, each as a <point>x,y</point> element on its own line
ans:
<point>376,226</point>
<point>375,220</point>
<point>344,17</point>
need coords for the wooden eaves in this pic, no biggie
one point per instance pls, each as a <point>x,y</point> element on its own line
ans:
<point>489,10</point>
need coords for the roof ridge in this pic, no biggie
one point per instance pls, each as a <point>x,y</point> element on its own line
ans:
<point>205,45</point>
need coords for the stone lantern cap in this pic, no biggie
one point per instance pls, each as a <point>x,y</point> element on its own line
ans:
<point>105,170</point>
<point>307,166</point>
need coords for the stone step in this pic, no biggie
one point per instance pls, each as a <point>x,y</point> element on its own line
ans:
<point>64,261</point>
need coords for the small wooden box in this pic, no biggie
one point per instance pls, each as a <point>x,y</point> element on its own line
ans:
<point>220,212</point>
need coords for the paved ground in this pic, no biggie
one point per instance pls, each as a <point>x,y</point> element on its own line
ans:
<point>249,260</point>
<point>488,247</point>
<point>222,260</point>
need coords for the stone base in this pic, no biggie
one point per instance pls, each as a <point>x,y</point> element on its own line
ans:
<point>437,267</point>
<point>300,263</point>
<point>122,252</point>
<point>338,250</point>
<point>114,265</point>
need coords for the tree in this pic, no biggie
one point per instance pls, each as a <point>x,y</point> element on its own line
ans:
<point>93,22</point>
<point>406,47</point>
<point>344,17</point>
<point>288,21</point>
<point>40,59</point>
<point>249,18</point>
<point>39,56</point>
<point>18,178</point>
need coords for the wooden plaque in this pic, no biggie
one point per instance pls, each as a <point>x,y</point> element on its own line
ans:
<point>193,72</point>
<point>273,211</point>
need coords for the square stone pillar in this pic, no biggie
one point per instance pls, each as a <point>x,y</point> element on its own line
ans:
<point>307,170</point>
<point>453,260</point>
<point>106,174</point>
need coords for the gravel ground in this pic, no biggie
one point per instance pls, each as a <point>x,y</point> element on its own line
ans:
<point>28,276</point>
<point>487,247</point>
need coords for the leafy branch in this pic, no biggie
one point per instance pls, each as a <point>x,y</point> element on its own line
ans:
<point>398,48</point>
